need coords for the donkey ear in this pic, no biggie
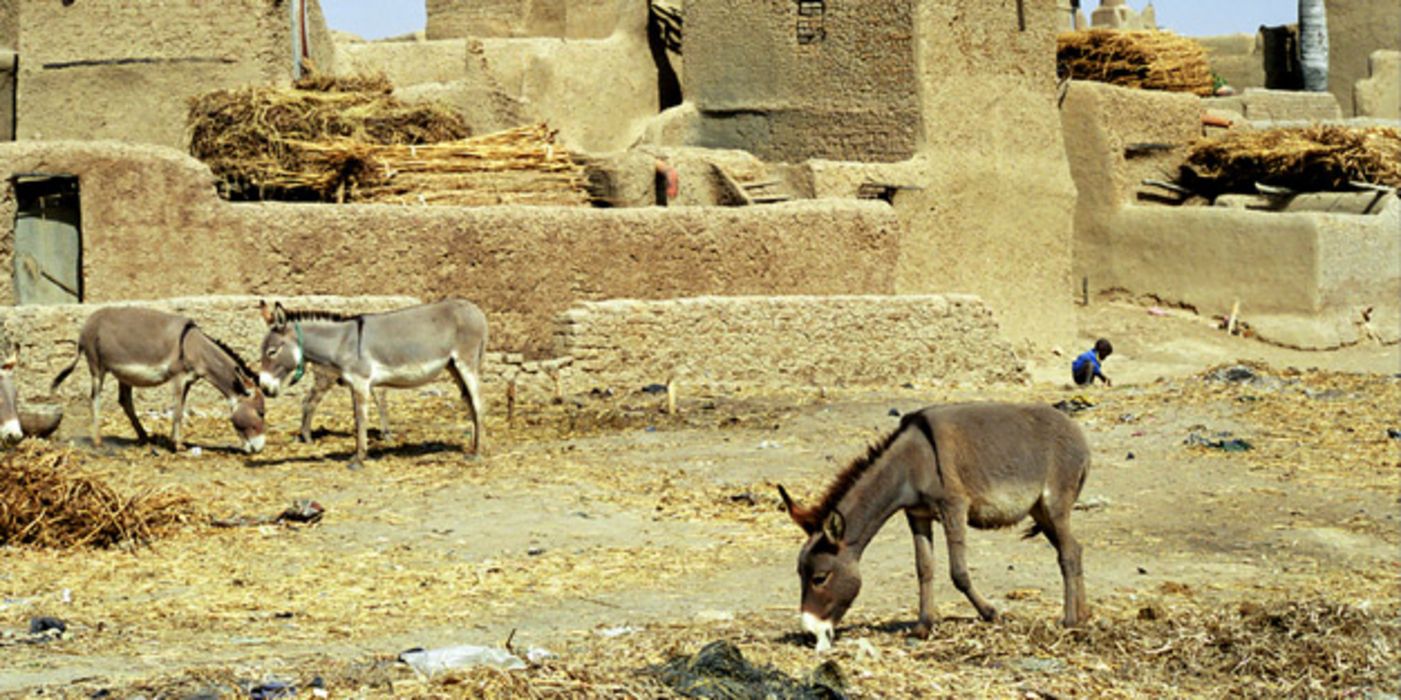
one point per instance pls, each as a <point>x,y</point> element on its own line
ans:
<point>796,513</point>
<point>834,527</point>
<point>279,316</point>
<point>265,311</point>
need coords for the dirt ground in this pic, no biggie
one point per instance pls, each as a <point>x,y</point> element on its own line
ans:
<point>616,537</point>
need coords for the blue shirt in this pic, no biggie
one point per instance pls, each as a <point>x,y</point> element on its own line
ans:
<point>1088,356</point>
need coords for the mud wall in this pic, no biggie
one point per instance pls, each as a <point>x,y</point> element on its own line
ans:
<point>1306,280</point>
<point>1237,58</point>
<point>993,215</point>
<point>790,81</point>
<point>95,70</point>
<point>1100,121</point>
<point>790,341</point>
<point>153,227</point>
<point>1379,96</point>
<point>1356,28</point>
<point>573,19</point>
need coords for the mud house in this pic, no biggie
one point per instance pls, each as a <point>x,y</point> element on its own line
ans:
<point>892,148</point>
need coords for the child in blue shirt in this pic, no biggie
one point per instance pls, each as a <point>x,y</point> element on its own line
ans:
<point>1086,367</point>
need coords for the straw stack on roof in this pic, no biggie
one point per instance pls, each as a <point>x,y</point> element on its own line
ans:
<point>1311,159</point>
<point>1151,60</point>
<point>348,139</point>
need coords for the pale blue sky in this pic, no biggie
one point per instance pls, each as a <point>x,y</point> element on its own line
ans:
<point>375,19</point>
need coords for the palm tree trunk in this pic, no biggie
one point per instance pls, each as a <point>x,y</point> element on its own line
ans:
<point>1313,44</point>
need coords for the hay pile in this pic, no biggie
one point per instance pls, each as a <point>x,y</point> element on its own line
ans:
<point>1310,159</point>
<point>517,166</point>
<point>1150,60</point>
<point>44,502</point>
<point>332,139</point>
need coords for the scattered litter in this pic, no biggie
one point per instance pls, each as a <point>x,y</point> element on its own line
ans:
<point>1393,433</point>
<point>1073,405</point>
<point>866,651</point>
<point>433,661</point>
<point>1152,611</point>
<point>894,413</point>
<point>746,498</point>
<point>1030,664</point>
<point>611,632</point>
<point>535,551</point>
<point>47,625</point>
<point>714,616</point>
<point>650,429</point>
<point>1219,441</point>
<point>769,445</point>
<point>302,511</point>
<point>1157,311</point>
<point>1093,503</point>
<point>272,690</point>
<point>1233,374</point>
<point>654,389</point>
<point>720,672</point>
<point>196,451</point>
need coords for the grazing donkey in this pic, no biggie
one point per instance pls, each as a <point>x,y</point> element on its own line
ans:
<point>145,348</point>
<point>10,430</point>
<point>399,349</point>
<point>986,465</point>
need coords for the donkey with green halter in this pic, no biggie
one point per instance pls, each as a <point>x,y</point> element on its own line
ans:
<point>987,465</point>
<point>401,349</point>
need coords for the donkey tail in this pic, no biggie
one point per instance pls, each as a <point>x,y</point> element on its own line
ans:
<point>53,388</point>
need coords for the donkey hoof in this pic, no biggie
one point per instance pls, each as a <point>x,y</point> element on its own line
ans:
<point>922,630</point>
<point>355,465</point>
<point>989,615</point>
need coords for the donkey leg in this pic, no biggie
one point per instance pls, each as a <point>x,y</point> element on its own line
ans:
<point>313,397</point>
<point>1056,527</point>
<point>382,403</point>
<point>124,398</point>
<point>471,393</point>
<point>955,519</point>
<point>923,530</point>
<point>97,408</point>
<point>182,390</point>
<point>360,396</point>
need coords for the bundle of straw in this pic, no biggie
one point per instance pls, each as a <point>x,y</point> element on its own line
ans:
<point>44,503</point>
<point>250,136</point>
<point>1150,60</point>
<point>517,166</point>
<point>1311,159</point>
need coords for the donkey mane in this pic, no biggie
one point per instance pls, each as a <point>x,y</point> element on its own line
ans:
<point>813,516</point>
<point>243,366</point>
<point>319,315</point>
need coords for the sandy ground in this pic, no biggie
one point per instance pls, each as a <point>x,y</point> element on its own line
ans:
<point>613,535</point>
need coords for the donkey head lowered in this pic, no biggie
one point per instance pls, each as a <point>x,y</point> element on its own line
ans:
<point>829,569</point>
<point>9,408</point>
<point>282,352</point>
<point>248,412</point>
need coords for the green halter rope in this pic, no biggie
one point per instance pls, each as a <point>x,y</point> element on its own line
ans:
<point>301,355</point>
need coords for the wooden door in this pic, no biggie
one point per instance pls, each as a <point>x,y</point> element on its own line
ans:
<point>48,241</point>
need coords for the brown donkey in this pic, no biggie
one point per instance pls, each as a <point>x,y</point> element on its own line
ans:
<point>986,465</point>
<point>145,348</point>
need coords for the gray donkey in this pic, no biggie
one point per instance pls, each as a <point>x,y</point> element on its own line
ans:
<point>985,465</point>
<point>145,348</point>
<point>10,430</point>
<point>398,349</point>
